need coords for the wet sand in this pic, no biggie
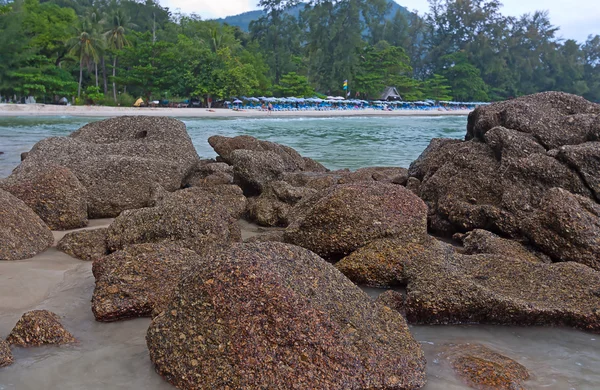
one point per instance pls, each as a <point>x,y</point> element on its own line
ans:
<point>29,110</point>
<point>114,355</point>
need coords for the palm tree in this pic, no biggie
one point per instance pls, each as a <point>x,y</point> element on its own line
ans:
<point>86,46</point>
<point>116,39</point>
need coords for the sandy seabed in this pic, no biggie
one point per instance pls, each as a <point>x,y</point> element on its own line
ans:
<point>18,110</point>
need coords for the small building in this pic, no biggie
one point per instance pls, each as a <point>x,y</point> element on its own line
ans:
<point>390,93</point>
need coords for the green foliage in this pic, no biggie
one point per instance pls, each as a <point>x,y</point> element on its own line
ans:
<point>437,88</point>
<point>93,95</point>
<point>464,79</point>
<point>293,84</point>
<point>381,66</point>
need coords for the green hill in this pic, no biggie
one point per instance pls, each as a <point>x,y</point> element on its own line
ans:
<point>243,20</point>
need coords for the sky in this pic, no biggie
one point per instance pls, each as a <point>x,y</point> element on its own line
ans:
<point>576,18</point>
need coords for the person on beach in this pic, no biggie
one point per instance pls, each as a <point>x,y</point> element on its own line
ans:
<point>270,109</point>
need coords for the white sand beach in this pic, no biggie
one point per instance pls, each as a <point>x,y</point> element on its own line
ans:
<point>29,110</point>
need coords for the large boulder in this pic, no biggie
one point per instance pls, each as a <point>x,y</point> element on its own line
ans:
<point>208,173</point>
<point>553,118</point>
<point>138,280</point>
<point>482,241</point>
<point>272,206</point>
<point>118,160</point>
<point>342,218</point>
<point>52,192</point>
<point>39,327</point>
<point>273,315</point>
<point>256,163</point>
<point>482,368</point>
<point>193,218</point>
<point>516,154</point>
<point>22,233</point>
<point>84,244</point>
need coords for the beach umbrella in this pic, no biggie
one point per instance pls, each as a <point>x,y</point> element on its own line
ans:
<point>237,101</point>
<point>138,102</point>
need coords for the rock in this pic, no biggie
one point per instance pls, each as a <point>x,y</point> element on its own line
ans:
<point>85,244</point>
<point>6,357</point>
<point>225,146</point>
<point>53,193</point>
<point>341,219</point>
<point>24,155</point>
<point>22,233</point>
<point>208,174</point>
<point>428,162</point>
<point>39,327</point>
<point>138,280</point>
<point>230,196</point>
<point>314,180</point>
<point>553,118</point>
<point>585,160</point>
<point>382,174</point>
<point>191,217</point>
<point>414,185</point>
<point>275,236</point>
<point>118,160</point>
<point>482,368</point>
<point>272,315</point>
<point>272,206</point>
<point>381,263</point>
<point>452,288</point>
<point>482,241</point>
<point>566,227</point>
<point>392,299</point>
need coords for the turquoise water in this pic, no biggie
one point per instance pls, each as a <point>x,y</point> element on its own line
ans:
<point>352,142</point>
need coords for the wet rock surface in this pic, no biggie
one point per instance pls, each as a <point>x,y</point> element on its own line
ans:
<point>335,222</point>
<point>118,160</point>
<point>138,280</point>
<point>22,233</point>
<point>273,315</point>
<point>39,327</point>
<point>484,369</point>
<point>6,357</point>
<point>52,192</point>
<point>506,176</point>
<point>85,244</point>
<point>193,218</point>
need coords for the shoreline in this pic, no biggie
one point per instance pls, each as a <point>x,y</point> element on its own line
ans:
<point>45,110</point>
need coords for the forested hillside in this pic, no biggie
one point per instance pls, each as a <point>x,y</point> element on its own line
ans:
<point>109,52</point>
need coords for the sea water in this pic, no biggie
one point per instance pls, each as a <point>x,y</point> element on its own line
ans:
<point>114,355</point>
<point>351,142</point>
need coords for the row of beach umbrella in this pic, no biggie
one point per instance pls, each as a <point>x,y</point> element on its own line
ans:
<point>341,100</point>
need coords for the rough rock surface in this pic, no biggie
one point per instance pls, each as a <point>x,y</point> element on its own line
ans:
<point>22,233</point>
<point>482,241</point>
<point>52,192</point>
<point>392,299</point>
<point>192,217</point>
<point>382,174</point>
<point>493,289</point>
<point>208,174</point>
<point>272,206</point>
<point>272,315</point>
<point>85,244</point>
<point>138,280</point>
<point>484,369</point>
<point>6,357</point>
<point>345,217</point>
<point>39,327</point>
<point>553,118</point>
<point>118,160</point>
<point>567,227</point>
<point>518,154</point>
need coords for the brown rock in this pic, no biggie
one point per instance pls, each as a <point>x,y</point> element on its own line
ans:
<point>138,280</point>
<point>6,357</point>
<point>585,160</point>
<point>22,233</point>
<point>118,160</point>
<point>382,174</point>
<point>208,174</point>
<point>343,218</point>
<point>85,244</point>
<point>277,316</point>
<point>272,206</point>
<point>39,327</point>
<point>392,299</point>
<point>191,217</point>
<point>52,192</point>
<point>482,368</point>
<point>482,241</point>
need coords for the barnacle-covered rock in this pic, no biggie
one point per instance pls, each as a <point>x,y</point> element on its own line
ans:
<point>272,315</point>
<point>39,327</point>
<point>6,357</point>
<point>84,244</point>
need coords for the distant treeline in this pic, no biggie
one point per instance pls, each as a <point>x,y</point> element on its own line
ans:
<point>108,51</point>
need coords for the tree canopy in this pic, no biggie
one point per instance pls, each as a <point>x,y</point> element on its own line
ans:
<point>111,51</point>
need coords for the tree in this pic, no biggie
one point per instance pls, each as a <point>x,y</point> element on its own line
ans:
<point>437,88</point>
<point>86,47</point>
<point>116,39</point>
<point>293,84</point>
<point>464,78</point>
